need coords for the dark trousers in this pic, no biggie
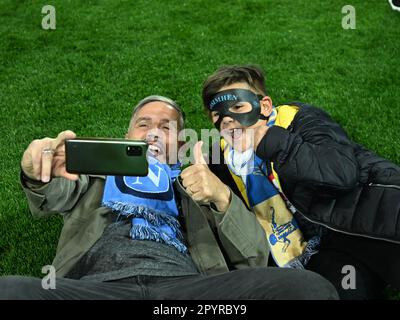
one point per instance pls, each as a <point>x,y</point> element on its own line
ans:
<point>257,283</point>
<point>376,264</point>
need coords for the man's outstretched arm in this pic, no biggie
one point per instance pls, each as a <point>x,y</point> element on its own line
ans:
<point>48,186</point>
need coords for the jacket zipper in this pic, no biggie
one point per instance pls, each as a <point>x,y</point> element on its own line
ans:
<point>384,185</point>
<point>345,232</point>
<point>350,233</point>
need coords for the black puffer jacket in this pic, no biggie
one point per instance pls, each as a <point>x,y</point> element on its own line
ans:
<point>331,180</point>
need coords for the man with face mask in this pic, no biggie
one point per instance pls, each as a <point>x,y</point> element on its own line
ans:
<point>326,203</point>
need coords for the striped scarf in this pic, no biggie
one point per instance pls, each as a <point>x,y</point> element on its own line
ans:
<point>260,188</point>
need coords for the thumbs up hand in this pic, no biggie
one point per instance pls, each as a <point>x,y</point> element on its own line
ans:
<point>203,185</point>
<point>198,153</point>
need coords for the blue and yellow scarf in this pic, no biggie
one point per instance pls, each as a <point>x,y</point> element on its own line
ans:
<point>149,202</point>
<point>261,190</point>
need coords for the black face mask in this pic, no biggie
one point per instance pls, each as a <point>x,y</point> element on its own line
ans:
<point>224,100</point>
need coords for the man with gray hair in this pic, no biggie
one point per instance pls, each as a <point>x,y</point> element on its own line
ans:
<point>183,243</point>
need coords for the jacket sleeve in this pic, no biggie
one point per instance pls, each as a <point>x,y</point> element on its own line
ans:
<point>314,152</point>
<point>58,196</point>
<point>241,236</point>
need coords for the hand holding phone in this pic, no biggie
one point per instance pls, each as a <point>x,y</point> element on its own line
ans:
<point>45,158</point>
<point>106,156</point>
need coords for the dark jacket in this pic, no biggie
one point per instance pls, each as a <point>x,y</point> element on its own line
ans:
<point>331,180</point>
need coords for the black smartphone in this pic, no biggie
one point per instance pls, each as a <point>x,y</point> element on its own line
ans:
<point>106,156</point>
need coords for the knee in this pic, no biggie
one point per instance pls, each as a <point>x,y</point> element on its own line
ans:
<point>293,284</point>
<point>16,287</point>
<point>11,281</point>
<point>308,285</point>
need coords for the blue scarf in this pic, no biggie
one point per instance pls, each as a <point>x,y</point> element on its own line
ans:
<point>149,202</point>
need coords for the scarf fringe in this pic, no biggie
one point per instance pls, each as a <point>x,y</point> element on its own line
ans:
<point>156,218</point>
<point>141,232</point>
<point>301,261</point>
<point>153,217</point>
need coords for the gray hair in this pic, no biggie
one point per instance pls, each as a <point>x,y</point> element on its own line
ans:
<point>168,101</point>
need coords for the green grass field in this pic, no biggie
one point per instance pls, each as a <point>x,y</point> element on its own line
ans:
<point>104,56</point>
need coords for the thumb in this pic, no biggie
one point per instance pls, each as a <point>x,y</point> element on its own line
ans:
<point>198,154</point>
<point>62,136</point>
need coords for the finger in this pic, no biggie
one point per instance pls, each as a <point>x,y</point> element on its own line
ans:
<point>46,163</point>
<point>199,197</point>
<point>189,171</point>
<point>60,150</point>
<point>189,192</point>
<point>36,154</point>
<point>62,136</point>
<point>195,188</point>
<point>30,164</point>
<point>70,176</point>
<point>188,181</point>
<point>58,145</point>
<point>59,169</point>
<point>198,154</point>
